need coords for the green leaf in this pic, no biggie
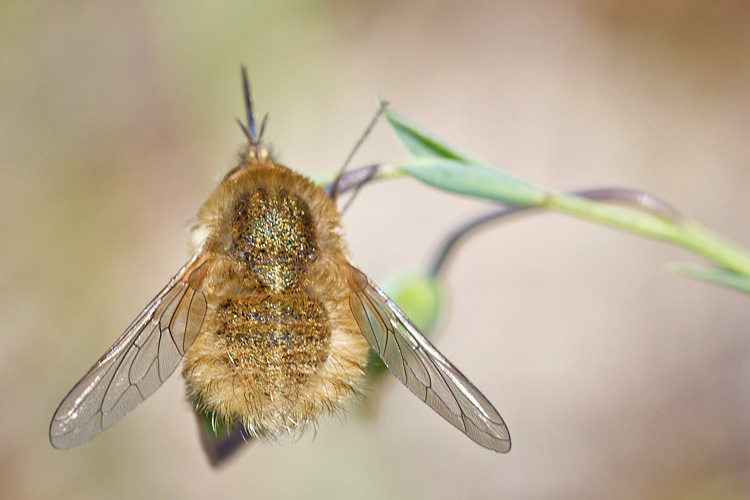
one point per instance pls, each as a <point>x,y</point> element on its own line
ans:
<point>716,275</point>
<point>474,180</point>
<point>445,167</point>
<point>421,143</point>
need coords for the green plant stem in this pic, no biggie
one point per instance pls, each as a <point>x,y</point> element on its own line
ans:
<point>685,233</point>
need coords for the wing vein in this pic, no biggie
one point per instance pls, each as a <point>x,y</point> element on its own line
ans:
<point>423,369</point>
<point>104,395</point>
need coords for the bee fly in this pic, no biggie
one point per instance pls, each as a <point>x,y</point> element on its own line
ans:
<point>273,321</point>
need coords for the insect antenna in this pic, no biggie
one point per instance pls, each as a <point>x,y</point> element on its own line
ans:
<point>249,128</point>
<point>262,127</point>
<point>336,184</point>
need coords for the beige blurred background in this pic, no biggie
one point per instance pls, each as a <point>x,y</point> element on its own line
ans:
<point>617,379</point>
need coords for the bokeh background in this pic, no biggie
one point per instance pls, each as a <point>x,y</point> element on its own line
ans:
<point>617,379</point>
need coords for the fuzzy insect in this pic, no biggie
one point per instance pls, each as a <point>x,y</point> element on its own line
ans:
<point>272,320</point>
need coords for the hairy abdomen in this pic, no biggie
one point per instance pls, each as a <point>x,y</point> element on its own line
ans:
<point>280,345</point>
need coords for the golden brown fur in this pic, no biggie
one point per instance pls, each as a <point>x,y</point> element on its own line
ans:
<point>279,345</point>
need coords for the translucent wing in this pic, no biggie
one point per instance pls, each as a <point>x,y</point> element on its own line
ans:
<point>421,368</point>
<point>137,364</point>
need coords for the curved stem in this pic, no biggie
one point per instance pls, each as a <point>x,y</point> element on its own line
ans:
<point>634,198</point>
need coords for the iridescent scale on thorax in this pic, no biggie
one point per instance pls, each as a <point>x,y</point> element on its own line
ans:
<point>274,234</point>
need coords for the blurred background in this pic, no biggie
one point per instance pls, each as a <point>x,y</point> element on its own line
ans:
<point>617,379</point>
